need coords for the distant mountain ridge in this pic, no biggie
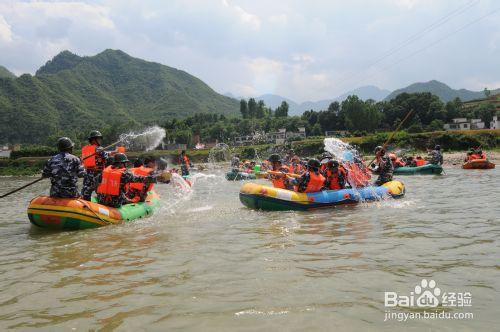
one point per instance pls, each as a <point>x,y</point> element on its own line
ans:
<point>365,92</point>
<point>72,93</point>
<point>5,73</point>
<point>443,91</point>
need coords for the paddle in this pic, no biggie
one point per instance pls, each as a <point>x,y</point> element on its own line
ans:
<point>40,179</point>
<point>21,188</point>
<point>393,133</point>
<point>275,173</point>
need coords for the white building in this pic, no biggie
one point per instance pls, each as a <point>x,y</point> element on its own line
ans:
<point>464,124</point>
<point>494,124</point>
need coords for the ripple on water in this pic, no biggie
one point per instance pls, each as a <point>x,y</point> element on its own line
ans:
<point>206,262</point>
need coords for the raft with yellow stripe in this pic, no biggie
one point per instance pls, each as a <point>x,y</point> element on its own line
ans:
<point>256,196</point>
<point>73,214</point>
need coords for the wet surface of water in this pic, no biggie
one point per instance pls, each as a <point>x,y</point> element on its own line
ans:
<point>206,262</point>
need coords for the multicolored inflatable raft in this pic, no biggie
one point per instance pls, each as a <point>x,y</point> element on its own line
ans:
<point>73,214</point>
<point>478,164</point>
<point>256,196</point>
<point>425,169</point>
<point>238,176</point>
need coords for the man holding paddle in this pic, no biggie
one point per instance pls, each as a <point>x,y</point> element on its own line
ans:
<point>94,160</point>
<point>64,169</point>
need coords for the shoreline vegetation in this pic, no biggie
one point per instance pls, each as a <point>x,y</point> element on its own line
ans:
<point>454,144</point>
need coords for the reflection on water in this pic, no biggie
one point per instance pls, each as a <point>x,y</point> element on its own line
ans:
<point>206,262</point>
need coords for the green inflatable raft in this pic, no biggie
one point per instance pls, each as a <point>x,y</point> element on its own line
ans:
<point>425,169</point>
<point>238,176</point>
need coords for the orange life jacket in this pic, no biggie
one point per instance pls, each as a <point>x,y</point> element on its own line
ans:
<point>334,178</point>
<point>279,181</point>
<point>120,149</point>
<point>185,160</point>
<point>420,162</point>
<point>474,156</point>
<point>111,181</point>
<point>316,182</point>
<point>141,171</point>
<point>297,169</point>
<point>89,156</point>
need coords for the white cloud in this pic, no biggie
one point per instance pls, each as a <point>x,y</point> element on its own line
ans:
<point>280,19</point>
<point>5,30</point>
<point>303,50</point>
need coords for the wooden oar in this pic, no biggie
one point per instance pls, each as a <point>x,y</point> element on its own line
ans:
<point>392,135</point>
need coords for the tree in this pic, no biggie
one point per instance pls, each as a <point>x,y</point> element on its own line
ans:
<point>252,108</point>
<point>282,110</point>
<point>486,92</point>
<point>244,108</point>
<point>261,109</point>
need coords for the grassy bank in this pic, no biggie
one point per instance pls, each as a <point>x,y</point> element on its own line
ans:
<point>449,141</point>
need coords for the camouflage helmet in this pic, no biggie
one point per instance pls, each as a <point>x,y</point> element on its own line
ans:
<point>313,163</point>
<point>381,149</point>
<point>120,158</point>
<point>274,158</point>
<point>65,143</point>
<point>95,134</point>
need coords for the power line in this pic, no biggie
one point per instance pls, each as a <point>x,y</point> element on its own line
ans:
<point>436,24</point>
<point>431,44</point>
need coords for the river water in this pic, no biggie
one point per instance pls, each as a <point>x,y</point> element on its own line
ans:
<point>205,262</point>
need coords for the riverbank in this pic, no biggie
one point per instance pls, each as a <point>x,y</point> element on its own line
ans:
<point>453,143</point>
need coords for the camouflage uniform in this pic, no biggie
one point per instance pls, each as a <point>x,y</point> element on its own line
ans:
<point>63,169</point>
<point>92,177</point>
<point>121,199</point>
<point>436,157</point>
<point>385,170</point>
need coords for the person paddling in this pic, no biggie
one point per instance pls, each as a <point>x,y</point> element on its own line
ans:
<point>311,181</point>
<point>94,160</point>
<point>335,175</point>
<point>436,158</point>
<point>383,166</point>
<point>64,169</point>
<point>137,191</point>
<point>278,180</point>
<point>112,189</point>
<point>185,163</point>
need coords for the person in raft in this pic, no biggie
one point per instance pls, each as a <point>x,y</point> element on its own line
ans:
<point>112,189</point>
<point>235,162</point>
<point>94,159</point>
<point>296,166</point>
<point>436,157</point>
<point>335,175</point>
<point>137,191</point>
<point>278,180</point>
<point>311,181</point>
<point>185,163</point>
<point>383,165</point>
<point>64,169</point>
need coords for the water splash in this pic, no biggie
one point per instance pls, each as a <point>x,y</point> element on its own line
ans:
<point>219,153</point>
<point>340,150</point>
<point>145,140</point>
<point>352,160</point>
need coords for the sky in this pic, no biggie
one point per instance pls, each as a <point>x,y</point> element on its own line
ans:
<point>302,50</point>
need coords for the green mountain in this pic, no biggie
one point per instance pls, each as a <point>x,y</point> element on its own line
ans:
<point>74,94</point>
<point>5,73</point>
<point>443,91</point>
